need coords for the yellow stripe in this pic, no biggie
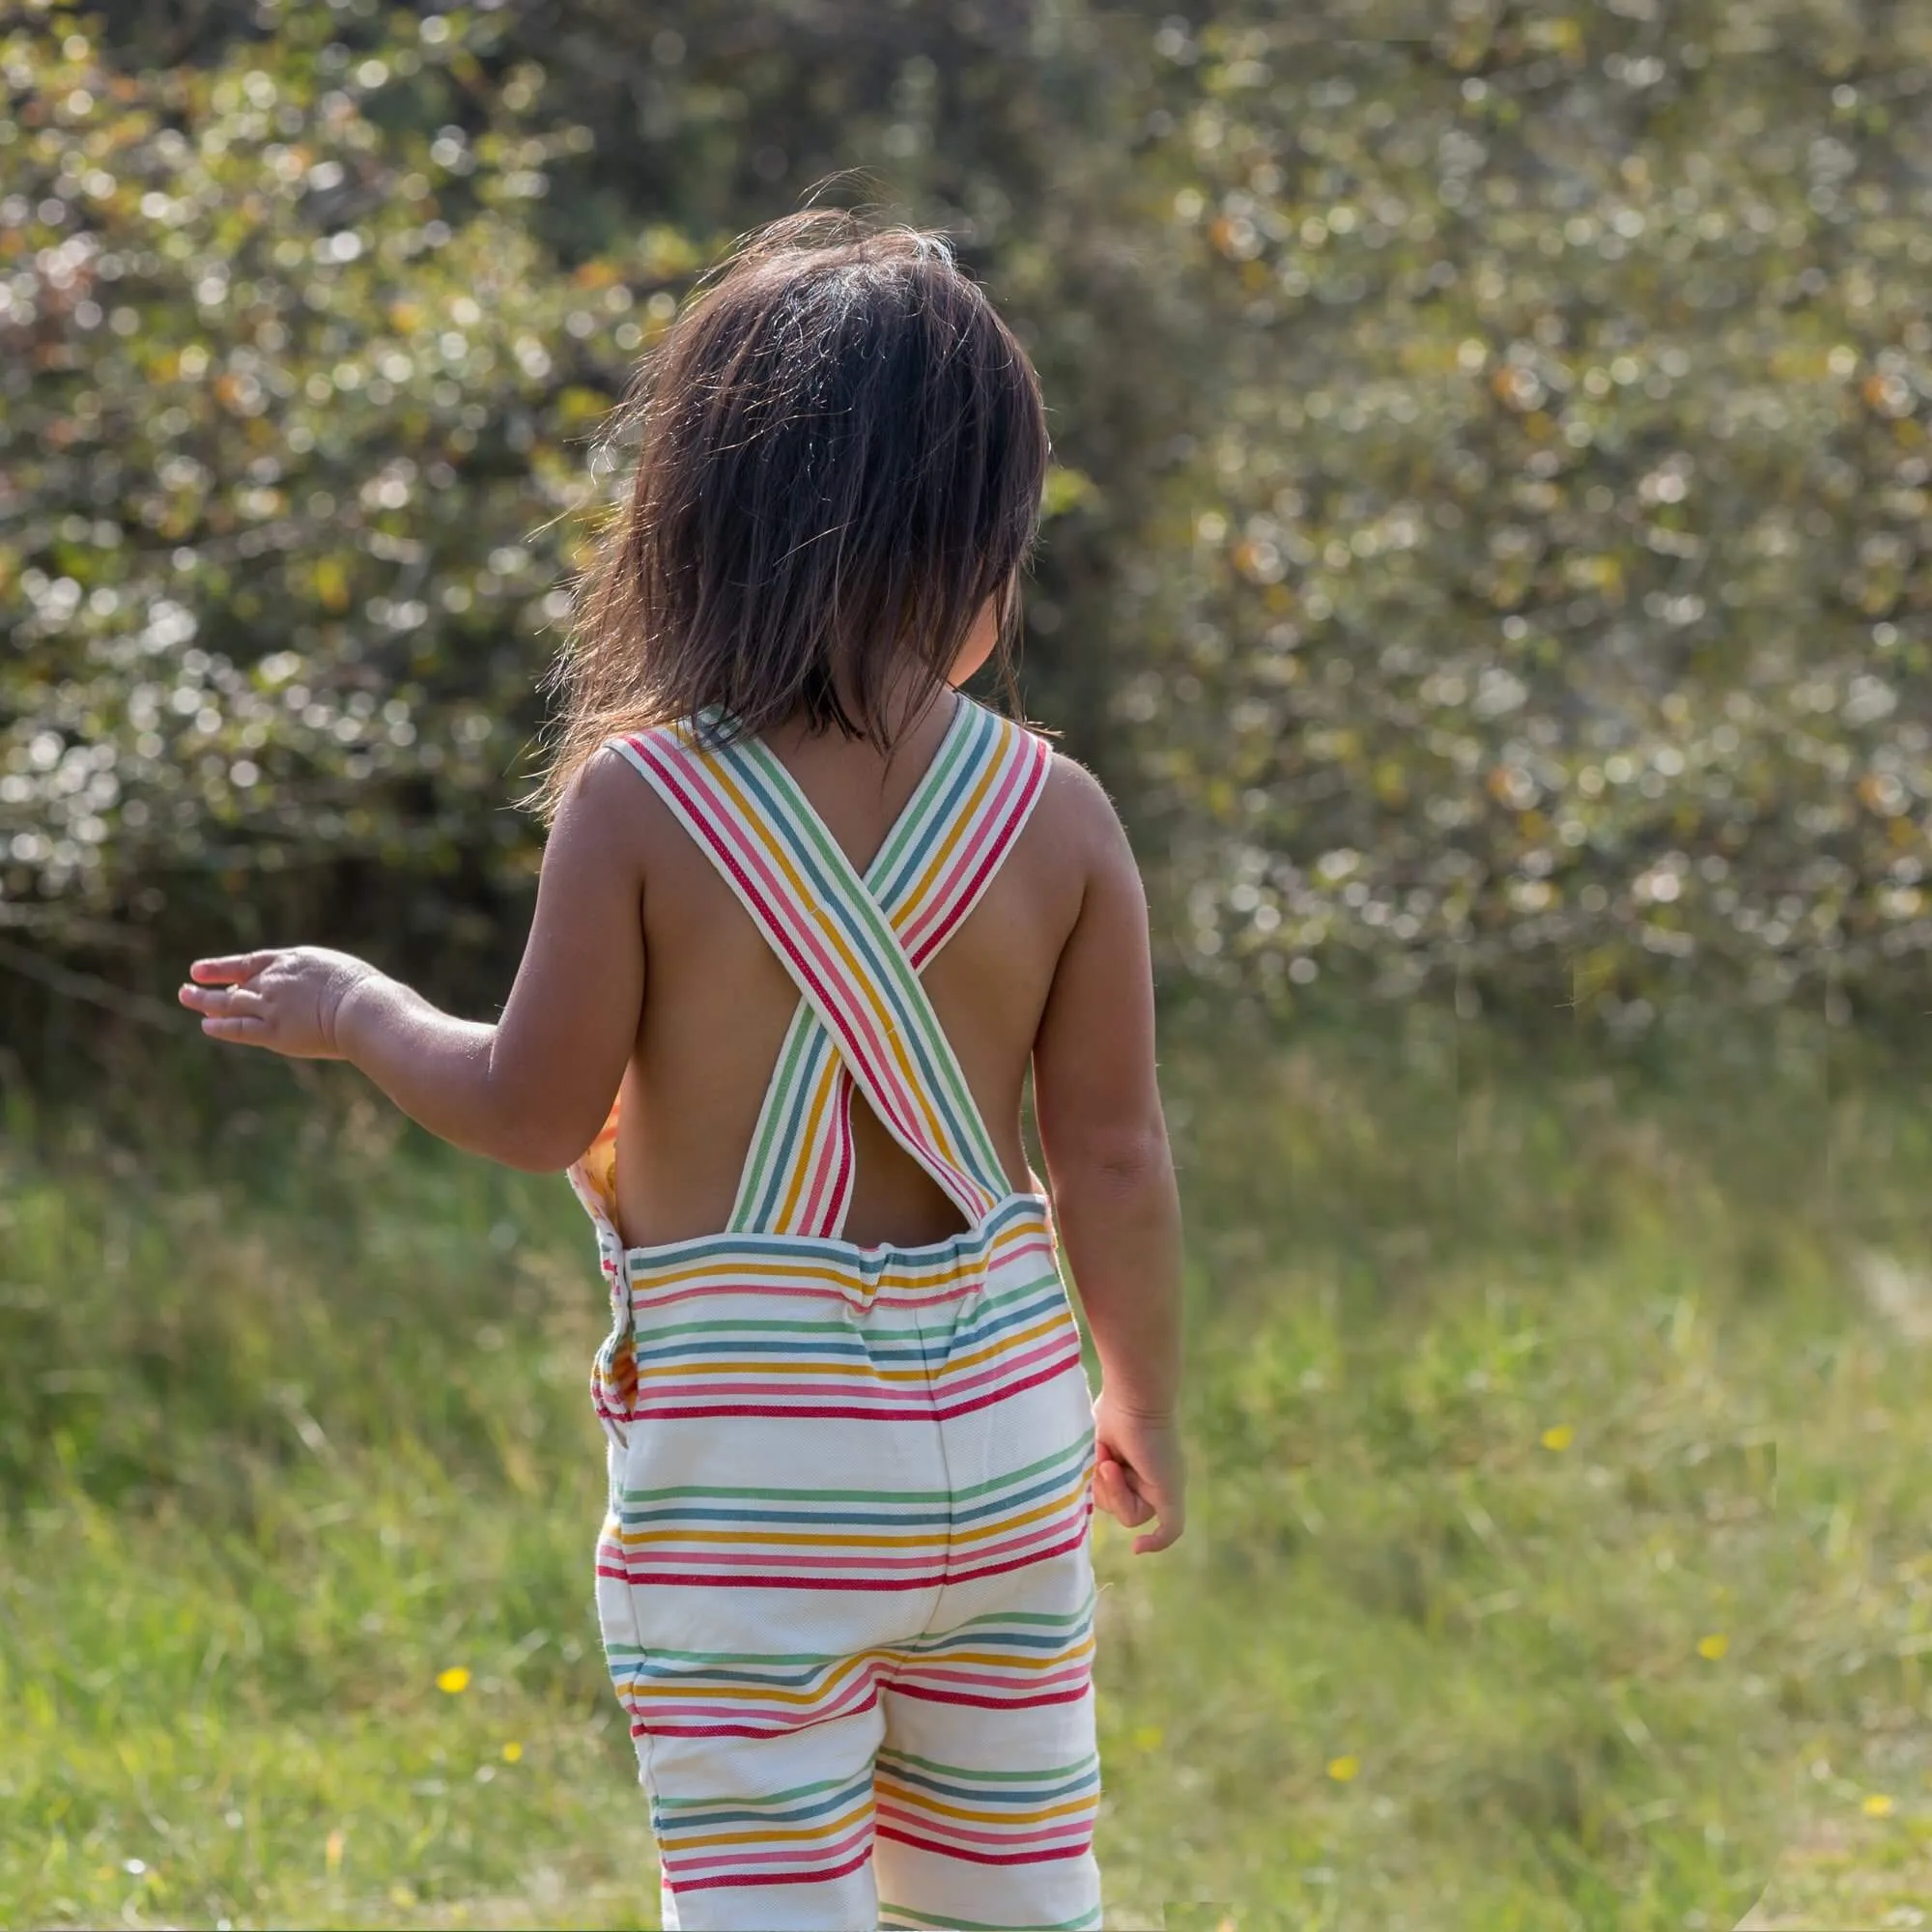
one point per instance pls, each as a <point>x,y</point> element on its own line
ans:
<point>754,822</point>
<point>835,1679</point>
<point>971,1815</point>
<point>964,1267</point>
<point>1053,1507</point>
<point>964,818</point>
<point>907,1540</point>
<point>999,1660</point>
<point>803,1163</point>
<point>1058,1319</point>
<point>789,1367</point>
<point>912,905</point>
<point>644,1691</point>
<point>770,1834</point>
<point>785,1370</point>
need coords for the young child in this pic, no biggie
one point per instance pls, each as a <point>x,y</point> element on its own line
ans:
<point>812,916</point>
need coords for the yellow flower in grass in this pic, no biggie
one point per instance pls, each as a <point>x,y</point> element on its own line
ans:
<point>1559,1437</point>
<point>512,1751</point>
<point>1878,1806</point>
<point>1711,1648</point>
<point>1342,1770</point>
<point>456,1678</point>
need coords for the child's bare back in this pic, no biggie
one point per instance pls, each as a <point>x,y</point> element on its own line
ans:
<point>718,1003</point>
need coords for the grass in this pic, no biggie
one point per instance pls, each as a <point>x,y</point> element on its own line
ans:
<point>1559,1557</point>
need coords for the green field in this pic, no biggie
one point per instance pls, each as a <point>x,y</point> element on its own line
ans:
<point>1559,1557</point>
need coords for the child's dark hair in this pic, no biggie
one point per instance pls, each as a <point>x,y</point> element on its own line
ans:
<point>842,454</point>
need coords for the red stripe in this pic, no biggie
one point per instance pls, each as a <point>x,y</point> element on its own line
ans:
<point>943,904</point>
<point>719,830</point>
<point>1020,1562</point>
<point>647,1563</point>
<point>989,1703</point>
<point>676,1886</point>
<point>1022,1833</point>
<point>657,1730</point>
<point>1015,1237</point>
<point>850,1290</point>
<point>998,1395</point>
<point>830,1158</point>
<point>656,1723</point>
<point>850,1412</point>
<point>790,940</point>
<point>840,1200</point>
<point>823,1411</point>
<point>988,864</point>
<point>1045,1855</point>
<point>697,1579</point>
<point>1021,1359</point>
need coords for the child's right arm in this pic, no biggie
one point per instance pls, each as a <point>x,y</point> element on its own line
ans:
<point>1115,1201</point>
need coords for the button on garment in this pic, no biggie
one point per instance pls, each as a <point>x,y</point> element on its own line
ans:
<point>844,1581</point>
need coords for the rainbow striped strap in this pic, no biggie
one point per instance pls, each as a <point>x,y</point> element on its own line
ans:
<point>948,845</point>
<point>746,813</point>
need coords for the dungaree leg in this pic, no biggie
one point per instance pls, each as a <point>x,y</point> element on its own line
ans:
<point>767,1832</point>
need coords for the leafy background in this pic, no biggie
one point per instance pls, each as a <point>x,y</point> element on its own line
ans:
<point>1488,545</point>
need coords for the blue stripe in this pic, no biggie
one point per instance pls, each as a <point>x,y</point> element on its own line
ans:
<point>889,977</point>
<point>899,1346</point>
<point>913,832</point>
<point>869,1264</point>
<point>700,1821</point>
<point>875,1517</point>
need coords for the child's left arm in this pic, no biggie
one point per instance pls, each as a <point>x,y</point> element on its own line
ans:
<point>533,1089</point>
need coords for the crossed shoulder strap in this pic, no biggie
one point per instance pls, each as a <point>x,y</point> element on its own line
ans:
<point>855,948</point>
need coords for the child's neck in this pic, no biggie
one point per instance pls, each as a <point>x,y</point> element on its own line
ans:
<point>912,694</point>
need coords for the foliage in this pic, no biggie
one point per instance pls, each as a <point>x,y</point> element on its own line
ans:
<point>1490,534</point>
<point>1547,598</point>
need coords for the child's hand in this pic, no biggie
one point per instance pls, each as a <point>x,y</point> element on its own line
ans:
<point>287,1000</point>
<point>1137,1475</point>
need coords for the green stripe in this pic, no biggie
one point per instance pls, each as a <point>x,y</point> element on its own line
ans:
<point>1072,1453</point>
<point>886,975</point>
<point>775,1160</point>
<point>770,1798</point>
<point>918,827</point>
<point>1051,1773</point>
<point>904,1915</point>
<point>769,1144</point>
<point>894,982</point>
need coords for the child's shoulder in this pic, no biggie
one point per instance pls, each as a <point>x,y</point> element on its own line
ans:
<point>1075,812</point>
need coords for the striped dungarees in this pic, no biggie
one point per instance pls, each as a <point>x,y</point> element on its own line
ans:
<point>844,1580</point>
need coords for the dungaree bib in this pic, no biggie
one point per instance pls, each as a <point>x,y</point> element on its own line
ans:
<point>844,1581</point>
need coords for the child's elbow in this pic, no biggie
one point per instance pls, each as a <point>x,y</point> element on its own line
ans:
<point>541,1146</point>
<point>1124,1160</point>
<point>541,1158</point>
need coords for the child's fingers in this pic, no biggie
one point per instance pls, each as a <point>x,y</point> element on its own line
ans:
<point>1114,1491</point>
<point>1109,1493</point>
<point>1174,1519</point>
<point>228,970</point>
<point>242,1029</point>
<point>222,1002</point>
<point>1158,1540</point>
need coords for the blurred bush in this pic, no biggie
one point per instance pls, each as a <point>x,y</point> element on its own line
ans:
<point>1489,541</point>
<point>1543,597</point>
